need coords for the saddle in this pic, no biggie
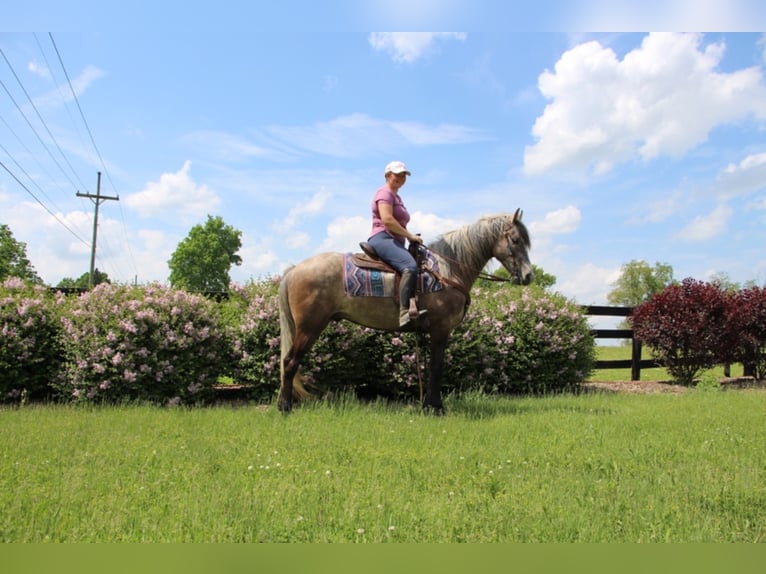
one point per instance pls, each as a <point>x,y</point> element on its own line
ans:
<point>369,258</point>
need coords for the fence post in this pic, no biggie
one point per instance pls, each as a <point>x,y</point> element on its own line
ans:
<point>635,361</point>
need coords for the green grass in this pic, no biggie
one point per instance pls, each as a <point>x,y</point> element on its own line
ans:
<point>593,467</point>
<point>653,374</point>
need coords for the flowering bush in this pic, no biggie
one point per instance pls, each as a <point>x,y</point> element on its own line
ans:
<point>520,340</point>
<point>30,352</point>
<point>685,327</point>
<point>149,343</point>
<point>257,343</point>
<point>512,340</point>
<point>340,358</point>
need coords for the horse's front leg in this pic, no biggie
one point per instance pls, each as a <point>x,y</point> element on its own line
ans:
<point>433,399</point>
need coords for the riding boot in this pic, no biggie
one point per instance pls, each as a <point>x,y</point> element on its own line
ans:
<point>407,308</point>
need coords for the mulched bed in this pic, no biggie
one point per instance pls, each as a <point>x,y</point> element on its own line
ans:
<point>654,387</point>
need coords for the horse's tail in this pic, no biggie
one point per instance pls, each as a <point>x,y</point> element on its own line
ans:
<point>287,335</point>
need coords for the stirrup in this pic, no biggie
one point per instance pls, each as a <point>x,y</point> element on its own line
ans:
<point>414,312</point>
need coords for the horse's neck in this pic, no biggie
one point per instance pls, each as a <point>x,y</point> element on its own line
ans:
<point>466,269</point>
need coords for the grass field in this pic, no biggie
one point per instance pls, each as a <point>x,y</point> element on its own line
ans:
<point>590,468</point>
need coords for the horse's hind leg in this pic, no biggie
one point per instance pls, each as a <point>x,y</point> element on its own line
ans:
<point>290,366</point>
<point>302,342</point>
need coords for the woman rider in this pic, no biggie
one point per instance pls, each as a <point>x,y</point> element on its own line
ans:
<point>389,231</point>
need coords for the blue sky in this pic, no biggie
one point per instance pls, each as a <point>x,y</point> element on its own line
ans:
<point>617,146</point>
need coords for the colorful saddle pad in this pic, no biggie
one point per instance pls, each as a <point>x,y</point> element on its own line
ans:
<point>362,282</point>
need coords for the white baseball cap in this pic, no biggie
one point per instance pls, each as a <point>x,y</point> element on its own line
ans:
<point>397,167</point>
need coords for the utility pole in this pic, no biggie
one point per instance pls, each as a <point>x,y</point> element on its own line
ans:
<point>97,199</point>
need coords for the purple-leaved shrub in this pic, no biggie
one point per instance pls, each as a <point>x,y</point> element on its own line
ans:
<point>30,351</point>
<point>148,343</point>
<point>685,326</point>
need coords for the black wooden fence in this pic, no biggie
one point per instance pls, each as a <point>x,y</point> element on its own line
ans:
<point>635,363</point>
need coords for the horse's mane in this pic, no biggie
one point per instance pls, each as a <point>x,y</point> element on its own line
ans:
<point>472,244</point>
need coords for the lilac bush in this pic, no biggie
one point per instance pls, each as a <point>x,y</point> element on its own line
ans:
<point>512,340</point>
<point>30,352</point>
<point>517,340</point>
<point>256,308</point>
<point>143,343</point>
<point>341,357</point>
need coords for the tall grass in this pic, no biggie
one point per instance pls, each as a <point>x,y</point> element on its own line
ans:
<point>594,467</point>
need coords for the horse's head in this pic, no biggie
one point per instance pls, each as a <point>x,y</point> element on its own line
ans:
<point>512,249</point>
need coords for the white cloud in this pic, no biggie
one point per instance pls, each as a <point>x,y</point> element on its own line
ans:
<point>431,226</point>
<point>407,47</point>
<point>565,220</point>
<point>38,69</point>
<point>229,147</point>
<point>587,284</point>
<point>258,258</point>
<point>708,226</point>
<point>80,84</point>
<point>421,134</point>
<point>659,210</point>
<point>174,194</point>
<point>662,98</point>
<point>741,179</point>
<point>311,208</point>
<point>349,136</point>
<point>345,233</point>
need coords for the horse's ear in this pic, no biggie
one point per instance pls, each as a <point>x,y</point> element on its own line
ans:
<point>517,215</point>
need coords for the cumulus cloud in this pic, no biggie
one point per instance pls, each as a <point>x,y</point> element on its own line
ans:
<point>662,98</point>
<point>174,194</point>
<point>345,233</point>
<point>565,220</point>
<point>588,283</point>
<point>708,226</point>
<point>408,47</point>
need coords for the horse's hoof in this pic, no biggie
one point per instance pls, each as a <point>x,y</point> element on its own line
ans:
<point>284,408</point>
<point>434,410</point>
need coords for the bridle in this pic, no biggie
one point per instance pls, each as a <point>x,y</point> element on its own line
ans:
<point>458,284</point>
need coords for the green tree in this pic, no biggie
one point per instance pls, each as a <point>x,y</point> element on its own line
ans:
<point>82,282</point>
<point>13,258</point>
<point>202,261</point>
<point>638,282</point>
<point>542,279</point>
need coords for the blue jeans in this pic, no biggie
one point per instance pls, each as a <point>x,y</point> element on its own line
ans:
<point>392,252</point>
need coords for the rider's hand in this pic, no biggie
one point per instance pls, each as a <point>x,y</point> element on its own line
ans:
<point>416,239</point>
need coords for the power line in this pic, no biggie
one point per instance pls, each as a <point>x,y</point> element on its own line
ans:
<point>42,121</point>
<point>25,188</point>
<point>93,141</point>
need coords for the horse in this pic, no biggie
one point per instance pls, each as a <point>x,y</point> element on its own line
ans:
<point>312,293</point>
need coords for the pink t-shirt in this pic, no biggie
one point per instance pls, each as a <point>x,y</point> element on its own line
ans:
<point>385,195</point>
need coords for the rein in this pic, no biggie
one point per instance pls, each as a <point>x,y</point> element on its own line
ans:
<point>447,280</point>
<point>497,278</point>
<point>459,284</point>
